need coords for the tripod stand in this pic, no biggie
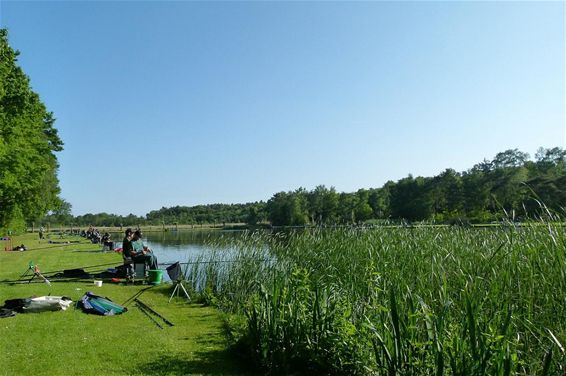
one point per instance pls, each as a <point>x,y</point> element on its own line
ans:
<point>178,291</point>
<point>177,276</point>
<point>35,272</point>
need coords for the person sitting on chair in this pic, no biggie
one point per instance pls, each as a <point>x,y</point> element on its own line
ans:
<point>127,246</point>
<point>106,242</point>
<point>142,253</point>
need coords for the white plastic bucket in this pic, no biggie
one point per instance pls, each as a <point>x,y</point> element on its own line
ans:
<point>98,283</point>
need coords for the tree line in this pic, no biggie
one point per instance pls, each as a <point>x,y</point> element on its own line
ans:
<point>215,214</point>
<point>511,185</point>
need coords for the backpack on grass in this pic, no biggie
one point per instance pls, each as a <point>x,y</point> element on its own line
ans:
<point>98,305</point>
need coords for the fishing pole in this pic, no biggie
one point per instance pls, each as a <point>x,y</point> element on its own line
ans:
<point>140,307</point>
<point>24,281</point>
<point>208,262</point>
<point>53,274</point>
<point>52,278</point>
<point>153,311</point>
<point>136,295</point>
<point>83,267</point>
<point>54,245</point>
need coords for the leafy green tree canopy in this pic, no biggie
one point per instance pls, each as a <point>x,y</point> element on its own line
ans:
<point>29,186</point>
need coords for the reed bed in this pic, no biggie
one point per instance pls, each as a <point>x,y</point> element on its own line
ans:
<point>397,300</point>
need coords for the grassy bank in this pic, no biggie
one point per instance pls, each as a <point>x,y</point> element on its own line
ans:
<point>72,342</point>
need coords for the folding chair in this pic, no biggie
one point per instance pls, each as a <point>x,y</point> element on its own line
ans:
<point>140,269</point>
<point>134,269</point>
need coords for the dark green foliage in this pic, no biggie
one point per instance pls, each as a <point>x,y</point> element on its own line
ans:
<point>252,213</point>
<point>411,199</point>
<point>215,213</point>
<point>510,184</point>
<point>288,209</point>
<point>28,141</point>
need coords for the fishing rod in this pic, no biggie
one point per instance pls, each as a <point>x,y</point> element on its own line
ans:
<point>136,295</point>
<point>83,267</point>
<point>55,245</point>
<point>140,307</point>
<point>52,274</point>
<point>25,281</point>
<point>208,262</point>
<point>145,306</point>
<point>52,278</point>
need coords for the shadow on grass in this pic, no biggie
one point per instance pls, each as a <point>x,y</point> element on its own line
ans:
<point>207,363</point>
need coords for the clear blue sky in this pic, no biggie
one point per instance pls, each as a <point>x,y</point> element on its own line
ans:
<point>185,103</point>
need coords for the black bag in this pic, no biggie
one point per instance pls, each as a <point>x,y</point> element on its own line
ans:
<point>15,304</point>
<point>122,271</point>
<point>76,273</point>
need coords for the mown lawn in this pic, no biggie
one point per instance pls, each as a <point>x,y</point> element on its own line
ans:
<point>72,342</point>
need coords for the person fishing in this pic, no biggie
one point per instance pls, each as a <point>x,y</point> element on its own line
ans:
<point>141,252</point>
<point>106,241</point>
<point>127,246</point>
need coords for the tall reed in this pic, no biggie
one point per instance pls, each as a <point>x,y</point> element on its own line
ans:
<point>398,300</point>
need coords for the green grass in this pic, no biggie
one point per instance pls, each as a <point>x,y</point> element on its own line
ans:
<point>71,342</point>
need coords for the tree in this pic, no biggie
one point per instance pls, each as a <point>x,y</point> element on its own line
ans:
<point>322,204</point>
<point>347,207</point>
<point>550,161</point>
<point>362,209</point>
<point>379,200</point>
<point>410,199</point>
<point>446,194</point>
<point>29,187</point>
<point>509,189</point>
<point>555,156</point>
<point>510,158</point>
<point>476,191</point>
<point>255,213</point>
<point>288,208</point>
<point>61,214</point>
